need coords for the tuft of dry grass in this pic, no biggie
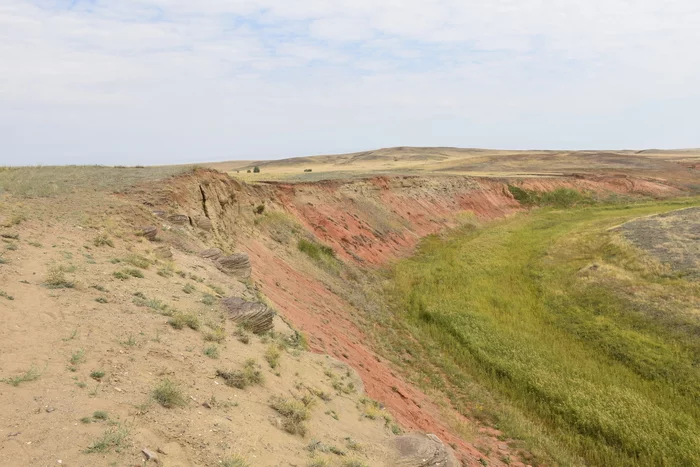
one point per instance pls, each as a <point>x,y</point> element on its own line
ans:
<point>103,240</point>
<point>272,355</point>
<point>169,394</point>
<point>217,334</point>
<point>56,278</point>
<point>114,438</point>
<point>137,261</point>
<point>294,411</point>
<point>249,375</point>
<point>181,320</point>
<point>234,461</point>
<point>212,352</point>
<point>30,375</point>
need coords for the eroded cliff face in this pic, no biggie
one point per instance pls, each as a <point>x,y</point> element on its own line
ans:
<point>367,223</point>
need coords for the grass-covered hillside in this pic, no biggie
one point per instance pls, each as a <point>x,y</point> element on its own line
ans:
<point>558,331</point>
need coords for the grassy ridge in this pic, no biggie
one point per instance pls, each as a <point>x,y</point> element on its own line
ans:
<point>46,181</point>
<point>579,363</point>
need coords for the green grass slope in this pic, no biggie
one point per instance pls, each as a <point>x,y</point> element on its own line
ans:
<point>558,332</point>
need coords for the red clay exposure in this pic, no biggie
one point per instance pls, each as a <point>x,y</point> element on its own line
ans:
<point>371,222</point>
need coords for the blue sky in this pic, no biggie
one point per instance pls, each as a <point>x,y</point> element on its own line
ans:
<point>172,81</point>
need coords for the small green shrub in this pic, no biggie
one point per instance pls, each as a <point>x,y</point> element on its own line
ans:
<point>30,375</point>
<point>524,197</point>
<point>130,341</point>
<point>294,412</point>
<point>56,278</point>
<point>560,197</point>
<point>169,394</point>
<point>113,438</point>
<point>97,375</point>
<point>103,240</point>
<point>6,295</point>
<point>353,463</point>
<point>272,355</point>
<point>208,299</point>
<point>77,357</point>
<point>242,335</point>
<point>235,461</point>
<point>100,415</point>
<point>315,250</point>
<point>371,409</point>
<point>166,271</point>
<point>212,352</point>
<point>179,320</point>
<point>196,278</point>
<point>189,288</point>
<point>248,376</point>
<point>121,275</point>
<point>218,290</point>
<point>152,303</point>
<point>137,261</point>
<point>125,274</point>
<point>217,334</point>
<point>318,446</point>
<point>134,273</point>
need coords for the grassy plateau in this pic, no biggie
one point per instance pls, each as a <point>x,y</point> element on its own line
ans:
<point>557,331</point>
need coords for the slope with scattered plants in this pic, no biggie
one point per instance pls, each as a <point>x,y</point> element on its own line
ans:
<point>113,307</point>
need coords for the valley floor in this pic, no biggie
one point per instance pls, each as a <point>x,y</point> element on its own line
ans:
<point>559,331</point>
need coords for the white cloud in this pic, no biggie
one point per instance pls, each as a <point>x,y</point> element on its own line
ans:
<point>239,78</point>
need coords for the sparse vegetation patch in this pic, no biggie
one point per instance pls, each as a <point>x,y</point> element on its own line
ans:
<point>30,375</point>
<point>248,376</point>
<point>56,278</point>
<point>103,240</point>
<point>113,438</point>
<point>181,320</point>
<point>169,394</point>
<point>315,250</point>
<point>294,411</point>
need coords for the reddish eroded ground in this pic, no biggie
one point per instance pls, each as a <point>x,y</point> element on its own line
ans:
<point>376,220</point>
<point>323,317</point>
<point>370,222</point>
<point>410,208</point>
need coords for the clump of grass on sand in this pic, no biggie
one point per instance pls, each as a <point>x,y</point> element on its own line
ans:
<point>169,394</point>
